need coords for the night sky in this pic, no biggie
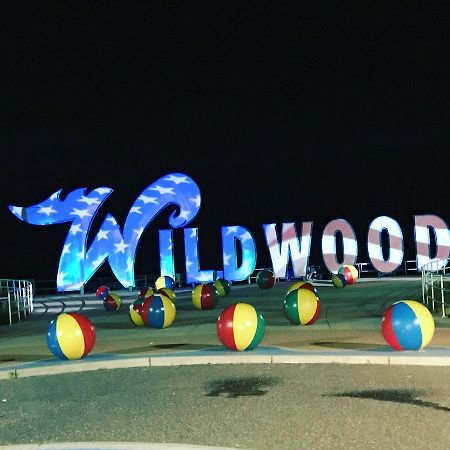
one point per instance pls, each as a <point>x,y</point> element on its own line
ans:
<point>281,112</point>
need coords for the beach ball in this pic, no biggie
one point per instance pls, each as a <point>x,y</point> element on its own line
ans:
<point>70,336</point>
<point>301,307</point>
<point>145,292</point>
<point>165,281</point>
<point>407,325</point>
<point>265,279</point>
<point>338,280</point>
<point>102,292</point>
<point>205,296</point>
<point>350,273</point>
<point>301,285</point>
<point>157,311</point>
<point>168,293</point>
<point>240,327</point>
<point>135,316</point>
<point>112,302</point>
<point>222,286</point>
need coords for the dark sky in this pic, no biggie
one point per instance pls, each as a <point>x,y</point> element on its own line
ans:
<point>280,111</point>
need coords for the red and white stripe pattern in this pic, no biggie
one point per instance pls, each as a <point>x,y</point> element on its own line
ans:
<point>374,245</point>
<point>350,250</point>
<point>423,225</point>
<point>289,246</point>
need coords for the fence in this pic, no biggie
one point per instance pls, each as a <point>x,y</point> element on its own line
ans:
<point>48,287</point>
<point>408,267</point>
<point>436,278</point>
<point>17,297</point>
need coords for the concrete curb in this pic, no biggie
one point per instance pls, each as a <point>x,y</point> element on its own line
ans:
<point>268,355</point>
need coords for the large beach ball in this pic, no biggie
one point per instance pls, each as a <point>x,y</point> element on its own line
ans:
<point>135,315</point>
<point>265,279</point>
<point>205,296</point>
<point>168,293</point>
<point>102,292</point>
<point>240,327</point>
<point>222,286</point>
<point>70,336</point>
<point>164,281</point>
<point>350,273</point>
<point>407,325</point>
<point>112,302</point>
<point>301,307</point>
<point>157,311</point>
<point>338,280</point>
<point>302,285</point>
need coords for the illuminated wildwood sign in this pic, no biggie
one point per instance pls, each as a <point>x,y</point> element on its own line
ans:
<point>290,243</point>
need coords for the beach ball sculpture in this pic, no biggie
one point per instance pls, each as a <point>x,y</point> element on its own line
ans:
<point>167,293</point>
<point>407,325</point>
<point>338,280</point>
<point>165,281</point>
<point>240,327</point>
<point>145,292</point>
<point>349,272</point>
<point>157,311</point>
<point>102,292</point>
<point>302,285</point>
<point>112,302</point>
<point>134,314</point>
<point>265,279</point>
<point>301,307</point>
<point>204,296</point>
<point>222,286</point>
<point>70,336</point>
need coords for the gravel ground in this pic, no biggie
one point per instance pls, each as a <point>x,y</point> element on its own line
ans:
<point>243,406</point>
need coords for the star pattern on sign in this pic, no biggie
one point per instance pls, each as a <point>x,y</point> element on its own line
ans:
<point>163,190</point>
<point>231,230</point>
<point>55,195</point>
<point>98,261</point>
<point>47,210</point>
<point>103,190</point>
<point>81,213</point>
<point>188,263</point>
<point>112,220</point>
<point>74,229</point>
<point>121,246</point>
<point>80,255</point>
<point>245,236</point>
<point>226,259</point>
<point>17,210</point>
<point>184,214</point>
<point>102,234</point>
<point>177,179</point>
<point>139,232</point>
<point>196,200</point>
<point>66,249</point>
<point>136,210</point>
<point>145,199</point>
<point>193,233</point>
<point>89,201</point>
<point>60,278</point>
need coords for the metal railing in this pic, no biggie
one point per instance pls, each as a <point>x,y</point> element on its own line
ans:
<point>436,284</point>
<point>17,297</point>
<point>320,272</point>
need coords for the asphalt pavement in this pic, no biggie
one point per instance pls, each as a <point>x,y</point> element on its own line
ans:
<point>334,384</point>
